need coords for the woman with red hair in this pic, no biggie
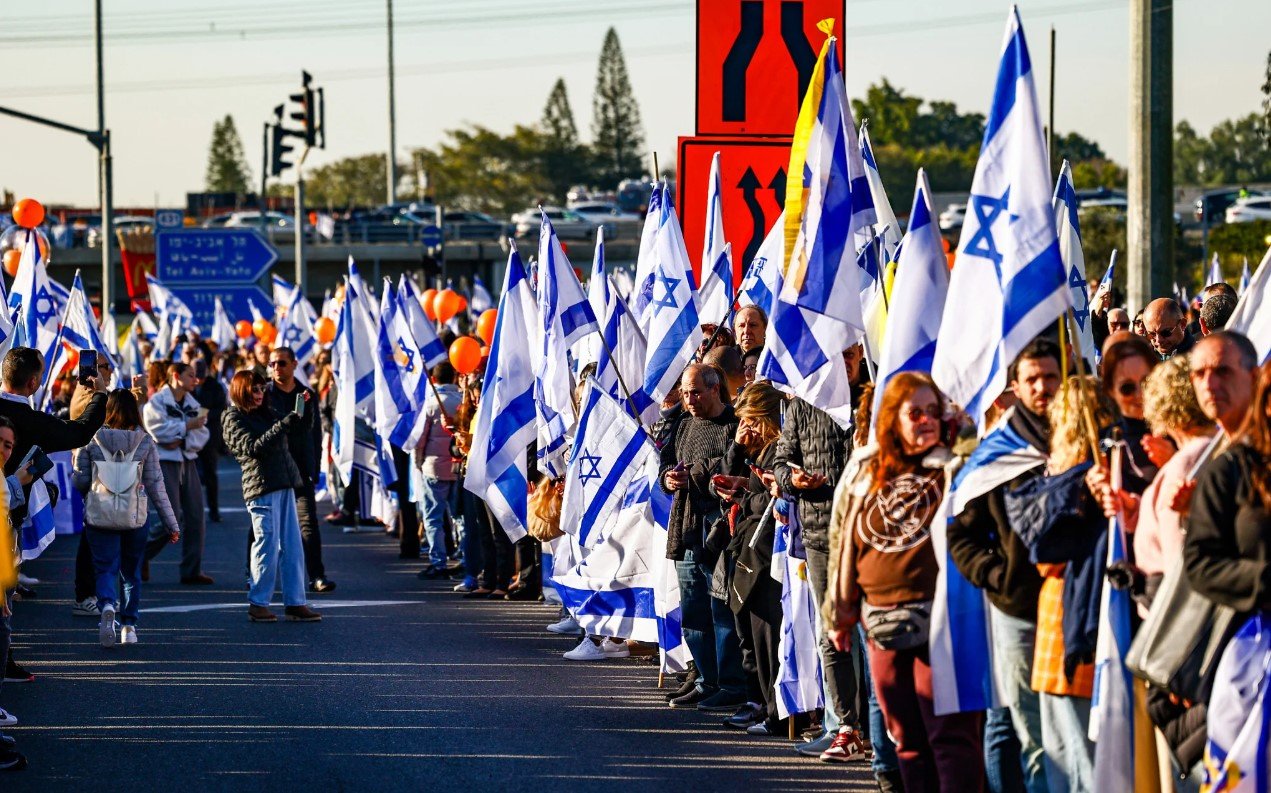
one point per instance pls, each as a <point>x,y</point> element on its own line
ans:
<point>883,573</point>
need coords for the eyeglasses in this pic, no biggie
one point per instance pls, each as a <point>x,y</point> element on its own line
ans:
<point>1118,325</point>
<point>1128,388</point>
<point>1160,334</point>
<point>280,363</point>
<point>917,414</point>
<point>258,389</point>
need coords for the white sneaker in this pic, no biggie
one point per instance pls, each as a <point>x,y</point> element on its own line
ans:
<point>586,651</point>
<point>106,628</point>
<point>26,580</point>
<point>86,608</point>
<point>352,530</point>
<point>614,648</point>
<point>7,719</point>
<point>127,635</point>
<point>567,626</point>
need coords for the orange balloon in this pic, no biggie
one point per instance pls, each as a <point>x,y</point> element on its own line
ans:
<point>72,357</point>
<point>28,213</point>
<point>243,328</point>
<point>485,324</point>
<point>324,330</point>
<point>462,303</point>
<point>446,304</point>
<point>11,260</point>
<point>426,298</point>
<point>263,327</point>
<point>313,218</point>
<point>465,354</point>
<point>485,352</point>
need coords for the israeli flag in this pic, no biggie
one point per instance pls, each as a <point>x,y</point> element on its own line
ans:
<point>715,298</point>
<point>146,326</point>
<point>762,281</point>
<point>164,302</point>
<point>79,331</point>
<point>1238,746</point>
<point>481,300</point>
<point>37,316</point>
<point>109,334</point>
<point>621,373</point>
<point>566,319</point>
<point>887,224</point>
<point>1105,283</point>
<point>611,591</point>
<point>354,365</point>
<point>673,327</point>
<point>597,294</point>
<point>505,424</point>
<point>961,643</point>
<point>1112,713</point>
<point>223,334</point>
<point>829,215</point>
<point>674,653</point>
<point>609,451</point>
<point>646,265</point>
<point>1068,229</point>
<point>131,360</point>
<point>1215,271</point>
<point>1244,278</point>
<point>1009,283</point>
<point>412,363</point>
<point>1252,316</point>
<point>39,527</point>
<point>363,294</point>
<point>395,361</point>
<point>431,350</point>
<point>917,296</point>
<point>798,649</point>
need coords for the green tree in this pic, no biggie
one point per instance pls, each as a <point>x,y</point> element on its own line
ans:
<point>618,138</point>
<point>1190,150</point>
<point>227,170</point>
<point>891,114</point>
<point>943,124</point>
<point>476,168</point>
<point>564,159</point>
<point>1098,172</point>
<point>349,182</point>
<point>1074,147</point>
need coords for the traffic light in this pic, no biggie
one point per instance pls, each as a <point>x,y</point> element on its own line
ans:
<point>278,148</point>
<point>307,115</point>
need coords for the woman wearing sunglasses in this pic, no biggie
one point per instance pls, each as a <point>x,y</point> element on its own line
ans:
<point>1127,361</point>
<point>270,477</point>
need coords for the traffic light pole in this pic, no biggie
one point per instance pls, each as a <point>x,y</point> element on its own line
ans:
<point>264,174</point>
<point>302,272</point>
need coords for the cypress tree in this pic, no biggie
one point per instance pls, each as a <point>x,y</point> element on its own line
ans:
<point>618,143</point>
<point>227,169</point>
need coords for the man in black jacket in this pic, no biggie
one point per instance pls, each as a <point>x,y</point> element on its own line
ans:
<point>210,394</point>
<point>993,558</point>
<point>21,373</point>
<point>304,440</point>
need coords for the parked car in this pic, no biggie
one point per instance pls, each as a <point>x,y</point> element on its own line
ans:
<point>568,224</point>
<point>217,221</point>
<point>92,237</point>
<point>1211,207</point>
<point>1247,210</point>
<point>1098,193</point>
<point>952,217</point>
<point>463,225</point>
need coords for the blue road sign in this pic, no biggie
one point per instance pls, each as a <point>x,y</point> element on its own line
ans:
<point>202,301</point>
<point>212,256</point>
<point>430,236</point>
<point>169,220</point>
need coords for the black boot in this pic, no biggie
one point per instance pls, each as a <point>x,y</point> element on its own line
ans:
<point>889,782</point>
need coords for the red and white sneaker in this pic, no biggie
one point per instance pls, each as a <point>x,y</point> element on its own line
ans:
<point>846,747</point>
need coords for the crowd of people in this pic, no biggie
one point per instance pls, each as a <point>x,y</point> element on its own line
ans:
<point>1171,431</point>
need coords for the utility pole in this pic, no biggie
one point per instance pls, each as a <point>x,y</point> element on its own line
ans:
<point>392,116</point>
<point>1050,137</point>
<point>264,174</point>
<point>302,272</point>
<point>106,177</point>
<point>1150,222</point>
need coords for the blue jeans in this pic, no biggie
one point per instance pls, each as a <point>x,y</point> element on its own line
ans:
<point>1065,721</point>
<point>1002,763</point>
<point>1013,640</point>
<point>276,548</point>
<point>884,750</point>
<point>437,495</point>
<point>475,527</point>
<point>715,648</point>
<point>118,553</point>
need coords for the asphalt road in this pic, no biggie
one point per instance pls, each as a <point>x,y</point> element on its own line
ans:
<point>403,686</point>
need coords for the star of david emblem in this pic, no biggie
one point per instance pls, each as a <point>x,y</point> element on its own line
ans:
<point>404,356</point>
<point>291,335</point>
<point>43,306</point>
<point>987,209</point>
<point>1078,285</point>
<point>669,285</point>
<point>588,468</point>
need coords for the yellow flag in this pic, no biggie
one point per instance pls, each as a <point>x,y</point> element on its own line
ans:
<point>796,193</point>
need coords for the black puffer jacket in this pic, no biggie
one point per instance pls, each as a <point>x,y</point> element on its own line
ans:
<point>811,440</point>
<point>259,443</point>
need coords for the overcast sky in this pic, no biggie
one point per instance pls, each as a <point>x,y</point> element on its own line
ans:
<point>174,68</point>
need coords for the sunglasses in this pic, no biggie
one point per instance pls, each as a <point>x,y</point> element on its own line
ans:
<point>280,363</point>
<point>917,414</point>
<point>1160,334</point>
<point>1128,388</point>
<point>1118,325</point>
<point>258,389</point>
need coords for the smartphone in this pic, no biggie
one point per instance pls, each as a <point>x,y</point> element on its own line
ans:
<point>680,466</point>
<point>87,366</point>
<point>202,412</point>
<point>40,462</point>
<point>794,467</point>
<point>299,409</point>
<point>720,480</point>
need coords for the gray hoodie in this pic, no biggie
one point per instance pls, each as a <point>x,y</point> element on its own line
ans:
<point>104,445</point>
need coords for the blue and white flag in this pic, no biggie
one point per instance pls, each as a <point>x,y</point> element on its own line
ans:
<point>39,527</point>
<point>887,224</point>
<point>36,322</point>
<point>673,327</point>
<point>798,649</point>
<point>1009,282</point>
<point>1112,711</point>
<point>611,591</point>
<point>646,265</point>
<point>762,282</point>
<point>1215,271</point>
<point>110,336</point>
<point>675,656</point>
<point>363,293</point>
<point>1252,316</point>
<point>1068,230</point>
<point>396,359</point>
<point>828,216</point>
<point>1238,745</point>
<point>431,350</point>
<point>164,302</point>
<point>1105,284</point>
<point>505,424</point>
<point>354,365</point>
<point>132,361</point>
<point>1244,278</point>
<point>621,373</point>
<point>715,298</point>
<point>223,334</point>
<point>566,319</point>
<point>295,328</point>
<point>79,331</point>
<point>961,643</point>
<point>610,449</point>
<point>917,296</point>
<point>481,300</point>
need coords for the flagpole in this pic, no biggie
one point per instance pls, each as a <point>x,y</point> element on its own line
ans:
<point>617,371</point>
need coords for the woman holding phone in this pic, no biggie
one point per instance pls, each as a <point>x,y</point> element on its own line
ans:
<point>270,477</point>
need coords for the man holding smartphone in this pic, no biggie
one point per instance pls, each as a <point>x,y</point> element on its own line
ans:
<point>285,394</point>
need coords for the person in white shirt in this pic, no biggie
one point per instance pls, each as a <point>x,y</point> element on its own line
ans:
<point>178,427</point>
